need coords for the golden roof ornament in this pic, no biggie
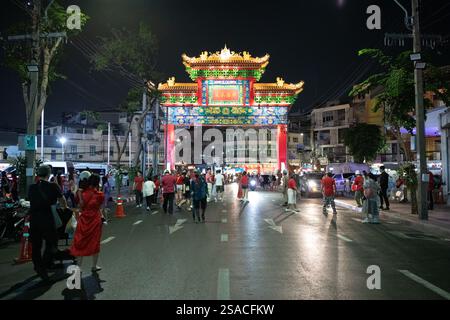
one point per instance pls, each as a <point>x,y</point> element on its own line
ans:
<point>280,82</point>
<point>171,82</point>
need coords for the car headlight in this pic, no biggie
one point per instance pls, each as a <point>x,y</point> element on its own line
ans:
<point>253,183</point>
<point>312,184</point>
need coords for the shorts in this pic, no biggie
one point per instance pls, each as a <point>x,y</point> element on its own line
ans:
<point>179,187</point>
<point>219,188</point>
<point>200,203</point>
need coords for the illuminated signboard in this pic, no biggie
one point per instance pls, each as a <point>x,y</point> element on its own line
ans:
<point>225,92</point>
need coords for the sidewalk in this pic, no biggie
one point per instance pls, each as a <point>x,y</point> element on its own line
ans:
<point>438,219</point>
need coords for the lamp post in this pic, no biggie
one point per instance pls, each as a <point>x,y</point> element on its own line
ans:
<point>63,141</point>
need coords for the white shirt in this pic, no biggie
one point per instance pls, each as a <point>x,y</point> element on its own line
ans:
<point>219,179</point>
<point>148,189</point>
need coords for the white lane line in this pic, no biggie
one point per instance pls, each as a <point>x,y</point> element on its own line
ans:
<point>426,284</point>
<point>107,240</point>
<point>154,212</point>
<point>357,220</point>
<point>223,284</point>
<point>224,220</point>
<point>224,238</point>
<point>446,239</point>
<point>344,238</point>
<point>137,222</point>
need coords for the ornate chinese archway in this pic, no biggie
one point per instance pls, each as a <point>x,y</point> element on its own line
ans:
<point>226,92</point>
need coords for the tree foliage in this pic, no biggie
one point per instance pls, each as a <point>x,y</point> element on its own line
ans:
<point>364,141</point>
<point>397,98</point>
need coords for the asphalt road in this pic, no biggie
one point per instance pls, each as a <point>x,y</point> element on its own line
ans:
<point>251,251</point>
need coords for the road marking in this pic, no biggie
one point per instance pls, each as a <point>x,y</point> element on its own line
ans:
<point>107,240</point>
<point>224,220</point>
<point>399,234</point>
<point>357,220</point>
<point>223,285</point>
<point>273,226</point>
<point>426,284</point>
<point>224,237</point>
<point>224,211</point>
<point>154,212</point>
<point>177,226</point>
<point>446,239</point>
<point>344,238</point>
<point>137,222</point>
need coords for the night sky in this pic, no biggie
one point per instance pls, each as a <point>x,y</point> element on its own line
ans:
<point>315,41</point>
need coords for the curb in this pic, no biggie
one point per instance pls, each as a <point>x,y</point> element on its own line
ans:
<point>423,226</point>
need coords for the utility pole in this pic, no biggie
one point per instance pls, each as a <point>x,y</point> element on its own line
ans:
<point>420,118</point>
<point>144,131</point>
<point>156,127</point>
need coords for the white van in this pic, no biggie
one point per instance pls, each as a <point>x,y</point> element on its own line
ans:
<point>99,168</point>
<point>63,167</point>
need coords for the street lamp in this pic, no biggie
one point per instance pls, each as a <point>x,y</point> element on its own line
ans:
<point>62,140</point>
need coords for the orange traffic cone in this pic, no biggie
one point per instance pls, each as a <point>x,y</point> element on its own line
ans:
<point>25,247</point>
<point>120,213</point>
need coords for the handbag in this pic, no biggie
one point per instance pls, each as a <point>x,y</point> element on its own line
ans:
<point>56,218</point>
<point>71,224</point>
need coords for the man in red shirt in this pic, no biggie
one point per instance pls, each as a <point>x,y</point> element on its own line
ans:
<point>168,184</point>
<point>137,187</point>
<point>358,188</point>
<point>292,195</point>
<point>328,191</point>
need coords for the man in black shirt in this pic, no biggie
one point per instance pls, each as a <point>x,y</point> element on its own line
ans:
<point>42,197</point>
<point>384,184</point>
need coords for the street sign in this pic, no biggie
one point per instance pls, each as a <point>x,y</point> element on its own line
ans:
<point>27,143</point>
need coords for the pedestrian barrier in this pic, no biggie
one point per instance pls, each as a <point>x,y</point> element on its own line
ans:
<point>120,213</point>
<point>25,245</point>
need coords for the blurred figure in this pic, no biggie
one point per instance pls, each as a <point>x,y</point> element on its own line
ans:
<point>199,190</point>
<point>292,195</point>
<point>430,190</point>
<point>370,207</point>
<point>244,186</point>
<point>149,193</point>
<point>357,187</point>
<point>384,185</point>
<point>137,187</point>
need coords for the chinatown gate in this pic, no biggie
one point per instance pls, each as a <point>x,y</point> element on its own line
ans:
<point>225,99</point>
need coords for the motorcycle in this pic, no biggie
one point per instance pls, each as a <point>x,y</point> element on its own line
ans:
<point>12,220</point>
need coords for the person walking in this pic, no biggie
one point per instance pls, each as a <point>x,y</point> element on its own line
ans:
<point>244,186</point>
<point>210,184</point>
<point>106,189</point>
<point>157,186</point>
<point>42,196</point>
<point>328,192</point>
<point>86,241</point>
<point>284,182</point>
<point>5,184</point>
<point>149,192</point>
<point>292,195</point>
<point>199,191</point>
<point>219,185</point>
<point>168,184</point>
<point>357,187</point>
<point>137,187</point>
<point>384,185</point>
<point>69,189</point>
<point>430,190</point>
<point>179,194</point>
<point>370,206</point>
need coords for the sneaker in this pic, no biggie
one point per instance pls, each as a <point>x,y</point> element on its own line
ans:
<point>375,220</point>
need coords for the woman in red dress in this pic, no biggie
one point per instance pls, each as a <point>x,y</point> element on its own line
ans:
<point>86,241</point>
